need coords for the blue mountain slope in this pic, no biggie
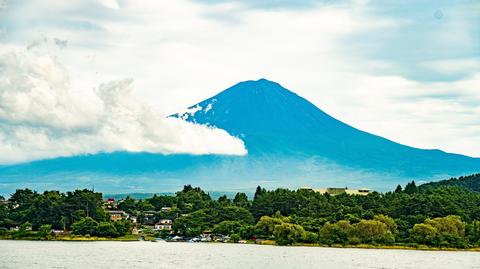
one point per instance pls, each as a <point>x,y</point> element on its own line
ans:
<point>291,143</point>
<point>274,121</point>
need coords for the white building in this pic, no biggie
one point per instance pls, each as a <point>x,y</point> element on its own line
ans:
<point>164,224</point>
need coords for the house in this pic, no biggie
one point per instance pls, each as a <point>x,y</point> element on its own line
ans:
<point>164,224</point>
<point>338,191</point>
<point>133,219</point>
<point>206,236</point>
<point>149,217</point>
<point>58,232</point>
<point>117,214</point>
<point>166,209</point>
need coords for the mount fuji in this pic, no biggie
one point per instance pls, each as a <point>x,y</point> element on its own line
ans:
<point>290,143</point>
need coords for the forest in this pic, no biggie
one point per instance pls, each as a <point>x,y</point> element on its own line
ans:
<point>439,216</point>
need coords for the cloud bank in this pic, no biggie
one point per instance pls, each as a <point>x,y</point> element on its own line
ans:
<point>41,116</point>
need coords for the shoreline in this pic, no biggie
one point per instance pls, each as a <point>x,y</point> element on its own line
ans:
<point>268,243</point>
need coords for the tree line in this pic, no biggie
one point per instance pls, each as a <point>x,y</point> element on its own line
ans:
<point>443,216</point>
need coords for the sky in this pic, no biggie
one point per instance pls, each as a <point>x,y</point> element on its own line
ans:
<point>84,76</point>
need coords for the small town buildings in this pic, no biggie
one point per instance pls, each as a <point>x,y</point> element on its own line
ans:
<point>110,204</point>
<point>133,219</point>
<point>117,214</point>
<point>337,191</point>
<point>164,224</point>
<point>149,217</point>
<point>166,209</point>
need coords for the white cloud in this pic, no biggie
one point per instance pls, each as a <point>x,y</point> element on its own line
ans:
<point>42,117</point>
<point>449,66</point>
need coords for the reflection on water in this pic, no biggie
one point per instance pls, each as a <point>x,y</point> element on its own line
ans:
<point>31,254</point>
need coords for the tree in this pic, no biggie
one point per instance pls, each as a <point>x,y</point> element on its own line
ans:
<point>144,205</point>
<point>391,225</point>
<point>23,198</point>
<point>234,238</point>
<point>159,201</point>
<point>81,203</point>
<point>227,227</point>
<point>84,226</point>
<point>128,204</point>
<point>192,199</point>
<point>122,226</point>
<point>45,230</point>
<point>373,231</point>
<point>398,189</point>
<point>337,233</point>
<point>423,233</point>
<point>223,200</point>
<point>258,192</point>
<point>451,225</point>
<point>49,208</point>
<point>411,188</point>
<point>266,225</point>
<point>450,230</point>
<point>288,233</point>
<point>105,229</point>
<point>241,200</point>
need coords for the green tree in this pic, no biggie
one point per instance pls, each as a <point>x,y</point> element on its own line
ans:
<point>266,225</point>
<point>424,233</point>
<point>391,225</point>
<point>128,204</point>
<point>223,200</point>
<point>373,231</point>
<point>227,227</point>
<point>258,192</point>
<point>123,227</point>
<point>81,203</point>
<point>288,233</point>
<point>411,187</point>
<point>234,238</point>
<point>398,189</point>
<point>336,233</point>
<point>105,229</point>
<point>45,230</point>
<point>241,200</point>
<point>84,226</point>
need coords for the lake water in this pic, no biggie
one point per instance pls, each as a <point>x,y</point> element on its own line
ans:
<point>37,254</point>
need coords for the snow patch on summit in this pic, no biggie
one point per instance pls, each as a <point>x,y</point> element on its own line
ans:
<point>210,105</point>
<point>191,111</point>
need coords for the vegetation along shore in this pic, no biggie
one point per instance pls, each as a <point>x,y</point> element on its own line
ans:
<point>444,215</point>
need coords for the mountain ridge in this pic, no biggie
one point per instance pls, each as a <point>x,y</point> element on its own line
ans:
<point>290,143</point>
<point>296,120</point>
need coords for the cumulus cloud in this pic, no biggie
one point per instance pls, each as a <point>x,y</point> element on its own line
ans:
<point>41,116</point>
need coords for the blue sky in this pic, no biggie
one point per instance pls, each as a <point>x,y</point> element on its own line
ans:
<point>406,70</point>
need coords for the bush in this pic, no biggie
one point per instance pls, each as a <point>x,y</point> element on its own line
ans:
<point>288,233</point>
<point>84,226</point>
<point>234,238</point>
<point>45,230</point>
<point>106,229</point>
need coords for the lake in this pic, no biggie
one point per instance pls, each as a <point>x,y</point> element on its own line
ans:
<point>51,254</point>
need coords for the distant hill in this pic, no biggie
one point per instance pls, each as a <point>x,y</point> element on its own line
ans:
<point>141,196</point>
<point>471,183</point>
